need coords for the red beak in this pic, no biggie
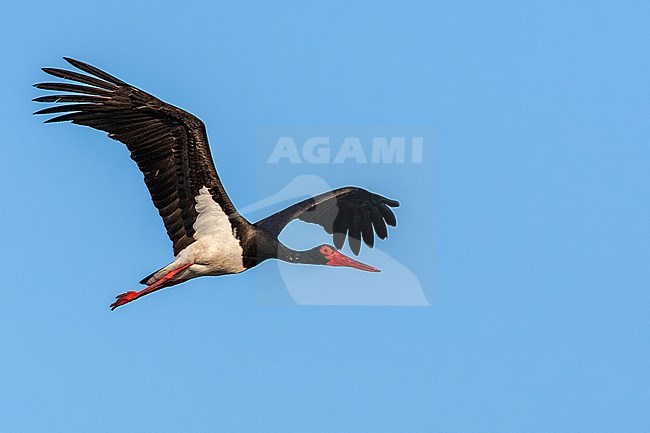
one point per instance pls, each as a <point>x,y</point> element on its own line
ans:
<point>338,259</point>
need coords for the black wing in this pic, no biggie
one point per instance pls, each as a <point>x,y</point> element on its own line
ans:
<point>169,145</point>
<point>345,211</point>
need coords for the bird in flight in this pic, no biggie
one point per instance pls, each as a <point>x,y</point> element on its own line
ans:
<point>209,236</point>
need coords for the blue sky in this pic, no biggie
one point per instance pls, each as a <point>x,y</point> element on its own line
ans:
<point>526,224</point>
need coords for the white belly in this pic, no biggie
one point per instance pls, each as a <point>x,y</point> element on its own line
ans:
<point>216,250</point>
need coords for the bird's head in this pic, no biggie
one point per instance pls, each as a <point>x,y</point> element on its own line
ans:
<point>330,256</point>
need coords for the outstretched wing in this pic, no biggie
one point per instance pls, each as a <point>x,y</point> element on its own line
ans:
<point>169,145</point>
<point>350,211</point>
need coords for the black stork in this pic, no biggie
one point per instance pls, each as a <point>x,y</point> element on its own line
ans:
<point>209,236</point>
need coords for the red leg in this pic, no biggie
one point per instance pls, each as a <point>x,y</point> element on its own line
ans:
<point>127,297</point>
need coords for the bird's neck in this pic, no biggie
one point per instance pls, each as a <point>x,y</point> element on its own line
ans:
<point>289,255</point>
<point>262,247</point>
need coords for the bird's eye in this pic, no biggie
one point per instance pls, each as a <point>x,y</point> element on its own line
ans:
<point>326,250</point>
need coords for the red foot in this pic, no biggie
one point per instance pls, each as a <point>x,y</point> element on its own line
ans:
<point>124,298</point>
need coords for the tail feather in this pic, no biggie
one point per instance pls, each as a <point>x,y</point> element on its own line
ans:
<point>150,276</point>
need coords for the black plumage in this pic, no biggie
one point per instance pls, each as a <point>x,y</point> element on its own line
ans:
<point>344,212</point>
<point>168,144</point>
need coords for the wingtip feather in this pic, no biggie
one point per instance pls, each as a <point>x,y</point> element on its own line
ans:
<point>71,61</point>
<point>95,71</point>
<point>391,203</point>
